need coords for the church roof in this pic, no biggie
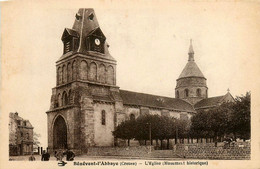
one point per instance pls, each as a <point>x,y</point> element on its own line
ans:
<point>191,70</point>
<point>209,102</point>
<point>141,99</point>
<point>71,32</point>
<point>214,101</point>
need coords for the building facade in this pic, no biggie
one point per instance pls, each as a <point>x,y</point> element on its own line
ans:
<point>87,104</point>
<point>20,135</point>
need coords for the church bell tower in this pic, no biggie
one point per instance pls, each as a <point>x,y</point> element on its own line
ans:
<point>191,84</point>
<point>85,99</point>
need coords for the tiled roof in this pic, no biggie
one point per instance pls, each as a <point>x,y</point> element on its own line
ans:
<point>209,102</point>
<point>191,70</point>
<point>141,99</point>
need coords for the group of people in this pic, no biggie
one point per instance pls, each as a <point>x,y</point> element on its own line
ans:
<point>58,155</point>
<point>228,142</point>
<point>68,153</point>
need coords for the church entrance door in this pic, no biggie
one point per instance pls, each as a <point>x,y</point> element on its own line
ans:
<point>60,133</point>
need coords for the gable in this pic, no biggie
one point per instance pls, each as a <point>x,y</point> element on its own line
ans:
<point>214,101</point>
<point>208,102</point>
<point>69,33</point>
<point>97,33</point>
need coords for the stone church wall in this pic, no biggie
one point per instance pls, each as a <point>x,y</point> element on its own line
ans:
<point>128,110</point>
<point>71,119</point>
<point>174,114</point>
<point>155,112</point>
<point>103,133</point>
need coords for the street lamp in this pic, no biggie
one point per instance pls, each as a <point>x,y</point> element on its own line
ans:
<point>176,132</point>
<point>150,132</point>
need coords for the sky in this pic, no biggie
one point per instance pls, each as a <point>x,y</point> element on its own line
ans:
<point>150,42</point>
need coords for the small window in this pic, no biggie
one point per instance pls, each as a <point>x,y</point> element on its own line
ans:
<point>132,117</point>
<point>198,92</point>
<point>177,94</point>
<point>91,17</point>
<point>67,46</point>
<point>186,93</point>
<point>64,99</point>
<point>103,118</point>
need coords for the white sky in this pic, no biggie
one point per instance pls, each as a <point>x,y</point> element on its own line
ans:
<point>150,44</point>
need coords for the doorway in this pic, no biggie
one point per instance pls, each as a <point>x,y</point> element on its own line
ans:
<point>60,133</point>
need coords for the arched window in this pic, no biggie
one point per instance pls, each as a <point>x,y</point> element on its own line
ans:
<point>103,117</point>
<point>92,71</point>
<point>64,74</point>
<point>186,93</point>
<point>177,94</point>
<point>69,97</point>
<point>59,100</point>
<point>207,93</point>
<point>132,117</point>
<point>69,72</point>
<point>110,75</point>
<point>83,70</point>
<point>74,70</point>
<point>64,99</point>
<point>60,75</point>
<point>102,73</point>
<point>198,92</point>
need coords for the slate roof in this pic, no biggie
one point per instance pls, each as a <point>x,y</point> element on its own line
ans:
<point>85,23</point>
<point>72,32</point>
<point>191,70</point>
<point>209,102</point>
<point>141,99</point>
<point>103,98</point>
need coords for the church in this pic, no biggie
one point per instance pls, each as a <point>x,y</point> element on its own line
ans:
<point>87,104</point>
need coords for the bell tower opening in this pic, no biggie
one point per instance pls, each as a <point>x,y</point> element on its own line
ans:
<point>60,133</point>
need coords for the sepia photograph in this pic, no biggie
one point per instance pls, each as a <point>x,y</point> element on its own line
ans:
<point>137,84</point>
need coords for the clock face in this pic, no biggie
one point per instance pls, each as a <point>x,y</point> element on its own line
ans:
<point>97,41</point>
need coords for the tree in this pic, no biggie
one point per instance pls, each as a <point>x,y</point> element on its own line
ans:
<point>241,123</point>
<point>213,122</point>
<point>125,130</point>
<point>36,142</point>
<point>227,118</point>
<point>162,127</point>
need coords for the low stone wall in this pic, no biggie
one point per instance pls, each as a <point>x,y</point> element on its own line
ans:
<point>139,151</point>
<point>239,151</point>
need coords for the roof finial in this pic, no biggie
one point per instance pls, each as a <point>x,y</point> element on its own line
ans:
<point>228,90</point>
<point>191,52</point>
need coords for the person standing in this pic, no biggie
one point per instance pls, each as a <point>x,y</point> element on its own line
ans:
<point>69,155</point>
<point>59,155</point>
<point>45,156</point>
<point>32,158</point>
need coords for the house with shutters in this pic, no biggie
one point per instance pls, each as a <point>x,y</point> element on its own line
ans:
<point>20,135</point>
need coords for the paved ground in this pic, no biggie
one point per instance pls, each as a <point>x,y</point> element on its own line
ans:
<point>85,157</point>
